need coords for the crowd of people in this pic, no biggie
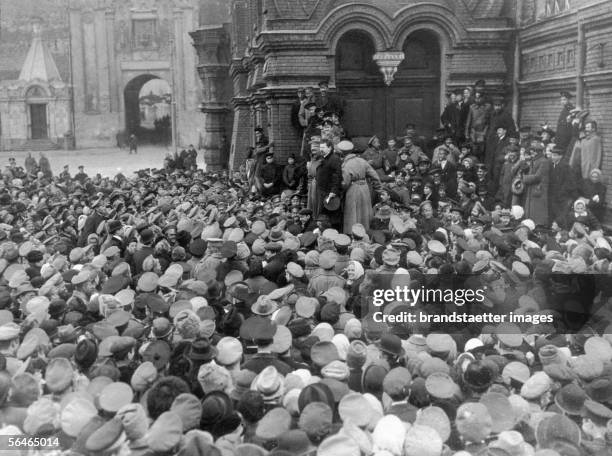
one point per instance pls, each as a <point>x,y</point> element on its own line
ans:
<point>184,312</point>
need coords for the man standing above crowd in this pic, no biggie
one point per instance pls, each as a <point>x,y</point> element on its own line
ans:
<point>329,181</point>
<point>536,179</point>
<point>451,117</point>
<point>500,118</point>
<point>477,125</point>
<point>565,130</point>
<point>562,191</point>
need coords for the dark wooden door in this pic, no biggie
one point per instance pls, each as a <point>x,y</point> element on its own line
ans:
<point>385,111</point>
<point>372,108</point>
<point>38,119</point>
<point>415,103</point>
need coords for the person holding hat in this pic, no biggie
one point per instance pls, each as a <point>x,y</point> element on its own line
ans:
<point>356,175</point>
<point>328,182</point>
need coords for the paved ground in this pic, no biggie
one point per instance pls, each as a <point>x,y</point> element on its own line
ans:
<point>104,161</point>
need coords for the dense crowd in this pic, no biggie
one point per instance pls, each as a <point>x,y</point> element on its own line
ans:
<point>183,312</point>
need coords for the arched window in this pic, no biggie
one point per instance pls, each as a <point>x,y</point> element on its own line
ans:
<point>422,52</point>
<point>354,53</point>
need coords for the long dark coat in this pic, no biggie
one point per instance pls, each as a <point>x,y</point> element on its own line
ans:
<point>537,180</point>
<point>328,180</point>
<point>562,192</point>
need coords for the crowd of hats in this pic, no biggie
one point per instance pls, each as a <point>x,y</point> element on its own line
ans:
<point>244,334</point>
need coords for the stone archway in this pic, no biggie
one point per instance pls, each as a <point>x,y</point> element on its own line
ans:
<point>139,121</point>
<point>374,108</point>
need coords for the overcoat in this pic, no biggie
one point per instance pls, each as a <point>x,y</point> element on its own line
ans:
<point>536,181</point>
<point>356,172</point>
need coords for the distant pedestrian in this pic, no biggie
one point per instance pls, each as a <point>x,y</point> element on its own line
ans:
<point>133,143</point>
<point>44,166</point>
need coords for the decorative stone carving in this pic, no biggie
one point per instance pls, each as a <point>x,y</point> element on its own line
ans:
<point>388,63</point>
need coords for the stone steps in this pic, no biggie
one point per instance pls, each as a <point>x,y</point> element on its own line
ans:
<point>36,145</point>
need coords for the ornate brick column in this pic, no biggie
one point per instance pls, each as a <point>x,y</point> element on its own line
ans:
<point>213,48</point>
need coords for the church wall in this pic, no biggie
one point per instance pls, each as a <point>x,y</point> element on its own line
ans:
<point>551,50</point>
<point>286,44</point>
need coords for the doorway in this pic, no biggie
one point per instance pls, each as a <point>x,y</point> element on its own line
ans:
<point>148,110</point>
<point>371,107</point>
<point>38,121</point>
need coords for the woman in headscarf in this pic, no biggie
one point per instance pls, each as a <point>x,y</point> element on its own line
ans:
<point>595,192</point>
<point>354,274</point>
<point>581,214</point>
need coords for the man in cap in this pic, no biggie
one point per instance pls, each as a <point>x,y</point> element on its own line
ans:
<point>563,189</point>
<point>261,331</point>
<point>328,278</point>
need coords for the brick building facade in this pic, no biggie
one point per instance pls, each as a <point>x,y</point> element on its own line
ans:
<point>566,45</point>
<point>280,45</point>
<point>525,50</point>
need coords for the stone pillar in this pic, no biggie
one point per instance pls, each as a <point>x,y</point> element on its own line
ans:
<point>214,74</point>
<point>286,141</point>
<point>242,129</point>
